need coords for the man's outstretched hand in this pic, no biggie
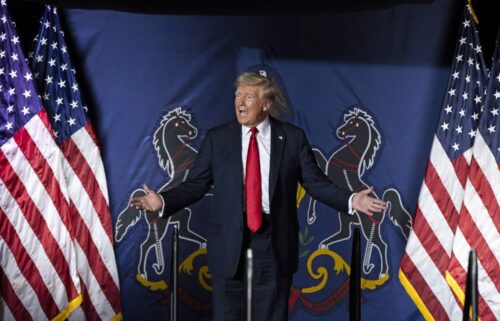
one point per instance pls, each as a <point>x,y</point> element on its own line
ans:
<point>151,202</point>
<point>363,202</point>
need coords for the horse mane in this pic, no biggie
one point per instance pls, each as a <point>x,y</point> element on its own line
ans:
<point>161,151</point>
<point>371,151</point>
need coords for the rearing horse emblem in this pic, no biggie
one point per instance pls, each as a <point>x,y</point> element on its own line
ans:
<point>345,167</point>
<point>176,156</point>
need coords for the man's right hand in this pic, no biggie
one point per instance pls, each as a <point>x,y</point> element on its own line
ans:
<point>151,202</point>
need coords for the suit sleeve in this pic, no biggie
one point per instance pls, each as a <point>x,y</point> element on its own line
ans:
<point>316,183</point>
<point>197,184</point>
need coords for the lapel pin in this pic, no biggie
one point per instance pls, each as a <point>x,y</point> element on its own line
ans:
<point>280,137</point>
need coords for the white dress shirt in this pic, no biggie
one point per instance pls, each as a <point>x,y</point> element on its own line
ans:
<point>264,145</point>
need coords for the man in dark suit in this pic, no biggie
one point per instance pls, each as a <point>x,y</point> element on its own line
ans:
<point>263,166</point>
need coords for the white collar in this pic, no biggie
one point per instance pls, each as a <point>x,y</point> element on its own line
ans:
<point>263,127</point>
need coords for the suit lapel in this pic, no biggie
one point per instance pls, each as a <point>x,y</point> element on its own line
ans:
<point>277,145</point>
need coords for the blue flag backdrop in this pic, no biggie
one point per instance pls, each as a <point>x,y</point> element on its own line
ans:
<point>366,86</point>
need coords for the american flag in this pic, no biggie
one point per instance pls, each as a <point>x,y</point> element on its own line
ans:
<point>479,223</point>
<point>428,251</point>
<point>38,274</point>
<point>84,170</point>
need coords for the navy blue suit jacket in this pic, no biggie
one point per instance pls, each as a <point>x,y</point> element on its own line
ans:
<point>219,164</point>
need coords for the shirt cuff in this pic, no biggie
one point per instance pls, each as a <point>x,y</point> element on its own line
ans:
<point>350,210</point>
<point>163,206</point>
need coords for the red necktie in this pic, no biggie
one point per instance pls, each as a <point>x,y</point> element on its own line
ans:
<point>253,185</point>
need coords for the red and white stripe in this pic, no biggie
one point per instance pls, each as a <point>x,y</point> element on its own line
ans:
<point>88,193</point>
<point>38,262</point>
<point>429,246</point>
<point>479,229</point>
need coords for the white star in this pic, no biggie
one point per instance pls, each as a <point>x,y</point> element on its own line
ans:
<point>71,121</point>
<point>466,23</point>
<point>63,49</point>
<point>43,42</point>
<point>472,133</point>
<point>465,96</point>
<point>470,61</point>
<point>455,75</point>
<point>497,94</point>
<point>478,49</point>
<point>2,53</point>
<point>455,146</point>
<point>74,104</point>
<point>4,19</point>
<point>475,116</point>
<point>57,117</point>
<point>64,67</point>
<point>452,92</point>
<point>3,36</point>
<point>27,93</point>
<point>25,110</point>
<point>477,99</point>
<point>444,126</point>
<point>498,77</point>
<point>14,57</point>
<point>74,87</point>
<point>46,96</point>
<point>462,112</point>
<point>2,71</point>
<point>55,133</point>
<point>52,62</point>
<point>15,40</point>
<point>467,79</point>
<point>462,40</point>
<point>13,74</point>
<point>494,112</point>
<point>9,125</point>
<point>59,101</point>
<point>459,57</point>
<point>47,24</point>
<point>62,83</point>
<point>48,80</point>
<point>54,45</point>
<point>448,109</point>
<point>39,58</point>
<point>12,91</point>
<point>491,129</point>
<point>458,129</point>
<point>10,109</point>
<point>28,76</point>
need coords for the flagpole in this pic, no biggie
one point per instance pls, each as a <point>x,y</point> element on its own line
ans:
<point>249,276</point>
<point>354,280</point>
<point>471,289</point>
<point>174,274</point>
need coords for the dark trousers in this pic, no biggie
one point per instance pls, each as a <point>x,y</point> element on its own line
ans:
<point>270,290</point>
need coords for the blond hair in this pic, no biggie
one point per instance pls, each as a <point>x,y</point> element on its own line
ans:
<point>269,90</point>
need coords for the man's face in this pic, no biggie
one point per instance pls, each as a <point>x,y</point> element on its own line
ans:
<point>251,109</point>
